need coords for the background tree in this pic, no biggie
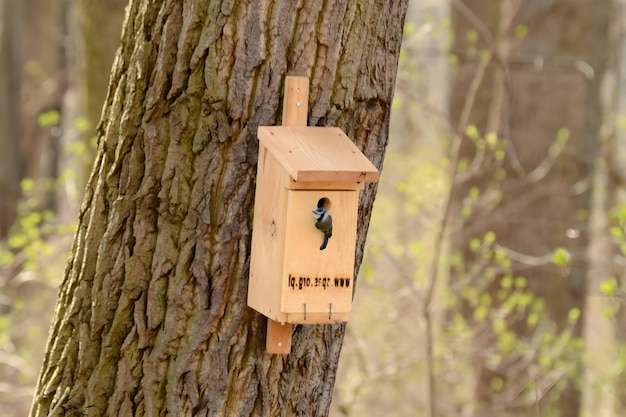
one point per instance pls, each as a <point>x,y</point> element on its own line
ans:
<point>526,97</point>
<point>612,214</point>
<point>9,167</point>
<point>152,313</point>
<point>32,62</point>
<point>97,37</point>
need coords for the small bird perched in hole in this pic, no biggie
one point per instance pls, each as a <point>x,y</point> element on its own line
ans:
<point>324,224</point>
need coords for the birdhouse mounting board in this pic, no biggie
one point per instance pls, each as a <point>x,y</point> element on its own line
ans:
<point>307,192</point>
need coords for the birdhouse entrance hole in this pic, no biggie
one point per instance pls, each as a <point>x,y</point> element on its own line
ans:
<point>324,203</point>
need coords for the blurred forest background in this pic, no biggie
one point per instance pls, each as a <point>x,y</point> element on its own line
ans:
<point>494,281</point>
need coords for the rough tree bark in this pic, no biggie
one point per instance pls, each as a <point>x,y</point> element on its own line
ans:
<point>542,77</point>
<point>152,316</point>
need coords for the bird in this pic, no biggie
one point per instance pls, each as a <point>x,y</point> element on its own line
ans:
<point>324,224</point>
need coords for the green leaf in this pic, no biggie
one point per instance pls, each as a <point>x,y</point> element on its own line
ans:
<point>6,258</point>
<point>453,61</point>
<point>18,241</point>
<point>497,383</point>
<point>409,28</point>
<point>562,136</point>
<point>561,257</point>
<point>506,281</point>
<point>500,174</point>
<point>480,313</point>
<point>545,360</point>
<point>82,124</point>
<point>402,186</point>
<point>520,282</point>
<point>471,36</point>
<point>27,184</point>
<point>491,139</point>
<point>472,132</point>
<point>609,287</point>
<point>49,118</point>
<point>573,315</point>
<point>521,31</point>
<point>485,299</point>
<point>609,311</point>
<point>473,193</point>
<point>532,319</point>
<point>617,232</point>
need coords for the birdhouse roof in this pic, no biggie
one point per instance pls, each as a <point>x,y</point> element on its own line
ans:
<point>323,154</point>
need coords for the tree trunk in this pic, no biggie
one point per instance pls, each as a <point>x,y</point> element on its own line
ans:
<point>94,28</point>
<point>43,87</point>
<point>152,316</point>
<point>99,24</point>
<point>534,181</point>
<point>9,167</point>
<point>614,217</point>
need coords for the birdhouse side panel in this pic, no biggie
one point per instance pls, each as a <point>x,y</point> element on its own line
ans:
<point>317,284</point>
<point>268,237</point>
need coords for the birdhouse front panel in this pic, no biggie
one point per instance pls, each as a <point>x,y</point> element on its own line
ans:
<point>317,283</point>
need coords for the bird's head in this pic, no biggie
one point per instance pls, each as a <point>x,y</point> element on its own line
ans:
<point>319,213</point>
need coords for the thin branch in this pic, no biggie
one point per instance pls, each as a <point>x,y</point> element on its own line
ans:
<point>434,270</point>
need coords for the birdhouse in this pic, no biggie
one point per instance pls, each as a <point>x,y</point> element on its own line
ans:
<point>294,278</point>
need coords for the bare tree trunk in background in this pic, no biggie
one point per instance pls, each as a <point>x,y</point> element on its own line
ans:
<point>99,31</point>
<point>152,316</point>
<point>542,77</point>
<point>43,87</point>
<point>94,29</point>
<point>9,127</point>
<point>615,205</point>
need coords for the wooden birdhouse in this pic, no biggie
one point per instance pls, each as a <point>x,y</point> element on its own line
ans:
<point>294,278</point>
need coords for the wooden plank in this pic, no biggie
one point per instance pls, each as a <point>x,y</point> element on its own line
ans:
<point>295,113</point>
<point>317,284</point>
<point>296,101</point>
<point>278,337</point>
<point>268,236</point>
<point>314,185</point>
<point>322,154</point>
